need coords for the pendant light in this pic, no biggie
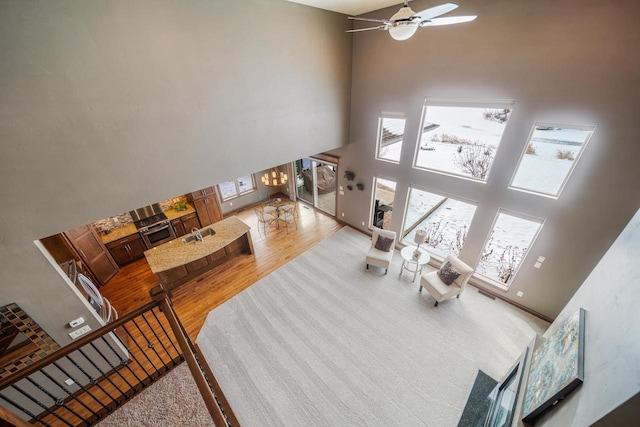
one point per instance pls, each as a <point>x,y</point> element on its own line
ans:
<point>274,178</point>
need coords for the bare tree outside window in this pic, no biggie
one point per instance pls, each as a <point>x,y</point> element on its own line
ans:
<point>461,140</point>
<point>474,159</point>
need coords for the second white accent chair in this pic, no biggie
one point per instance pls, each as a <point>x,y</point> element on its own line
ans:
<point>440,290</point>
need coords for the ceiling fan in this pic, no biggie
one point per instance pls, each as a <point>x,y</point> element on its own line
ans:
<point>405,22</point>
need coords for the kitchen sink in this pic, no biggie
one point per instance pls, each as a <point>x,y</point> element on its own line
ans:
<point>189,238</point>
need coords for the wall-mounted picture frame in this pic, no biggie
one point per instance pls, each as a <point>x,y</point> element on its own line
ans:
<point>557,367</point>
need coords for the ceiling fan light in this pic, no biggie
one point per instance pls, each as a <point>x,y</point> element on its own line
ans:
<point>402,32</point>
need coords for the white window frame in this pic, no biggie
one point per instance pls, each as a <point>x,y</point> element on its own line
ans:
<point>238,193</point>
<point>373,197</point>
<point>388,115</point>
<point>489,281</point>
<point>588,128</point>
<point>434,255</point>
<point>464,103</point>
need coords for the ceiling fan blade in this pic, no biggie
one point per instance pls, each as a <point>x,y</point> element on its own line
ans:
<point>383,21</point>
<point>432,12</point>
<point>447,21</point>
<point>381,27</point>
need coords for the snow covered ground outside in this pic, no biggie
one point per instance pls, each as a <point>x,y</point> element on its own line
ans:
<point>541,172</point>
<point>453,215</point>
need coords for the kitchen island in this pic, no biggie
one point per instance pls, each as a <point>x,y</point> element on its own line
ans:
<point>176,262</point>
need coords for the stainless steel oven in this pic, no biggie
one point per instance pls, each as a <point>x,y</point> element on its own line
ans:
<point>157,234</point>
<point>153,225</point>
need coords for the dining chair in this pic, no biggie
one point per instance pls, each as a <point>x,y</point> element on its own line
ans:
<point>287,217</point>
<point>289,208</point>
<point>269,209</point>
<point>264,219</point>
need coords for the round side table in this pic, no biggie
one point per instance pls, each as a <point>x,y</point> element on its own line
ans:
<point>410,263</point>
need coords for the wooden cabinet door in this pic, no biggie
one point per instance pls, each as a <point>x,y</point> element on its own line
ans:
<point>178,227</point>
<point>120,254</point>
<point>203,212</point>
<point>190,221</point>
<point>127,249</point>
<point>137,248</point>
<point>93,253</point>
<point>208,210</point>
<point>203,193</point>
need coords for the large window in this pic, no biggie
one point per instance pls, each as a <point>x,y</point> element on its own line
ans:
<point>549,157</point>
<point>384,191</point>
<point>390,135</point>
<point>237,187</point>
<point>506,248</point>
<point>446,221</point>
<point>461,139</point>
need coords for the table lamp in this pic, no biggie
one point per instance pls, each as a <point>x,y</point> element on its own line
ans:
<point>420,237</point>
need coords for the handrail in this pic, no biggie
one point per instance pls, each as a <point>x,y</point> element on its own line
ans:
<point>215,401</point>
<point>160,296</point>
<point>88,338</point>
<point>11,418</point>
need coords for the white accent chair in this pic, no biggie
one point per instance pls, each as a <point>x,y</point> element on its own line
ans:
<point>440,290</point>
<point>376,256</point>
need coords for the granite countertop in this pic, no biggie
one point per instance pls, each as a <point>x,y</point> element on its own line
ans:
<point>118,233</point>
<point>175,253</point>
<point>130,229</point>
<point>173,214</point>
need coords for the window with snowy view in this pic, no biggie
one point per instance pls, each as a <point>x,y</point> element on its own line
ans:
<point>237,187</point>
<point>445,220</point>
<point>549,157</point>
<point>461,139</point>
<point>390,134</point>
<point>506,248</point>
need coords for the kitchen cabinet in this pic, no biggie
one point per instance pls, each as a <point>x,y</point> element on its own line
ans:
<point>207,206</point>
<point>90,249</point>
<point>184,224</point>
<point>202,193</point>
<point>127,249</point>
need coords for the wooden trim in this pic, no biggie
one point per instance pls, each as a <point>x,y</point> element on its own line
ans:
<point>160,296</point>
<point>503,298</point>
<point>9,418</point>
<point>231,416</point>
<point>324,157</point>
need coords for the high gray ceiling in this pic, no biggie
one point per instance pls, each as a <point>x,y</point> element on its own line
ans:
<point>349,7</point>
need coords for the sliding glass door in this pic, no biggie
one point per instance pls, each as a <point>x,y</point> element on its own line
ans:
<point>316,184</point>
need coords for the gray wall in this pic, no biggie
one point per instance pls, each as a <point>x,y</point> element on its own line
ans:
<point>564,61</point>
<point>261,193</point>
<point>109,105</point>
<point>612,339</point>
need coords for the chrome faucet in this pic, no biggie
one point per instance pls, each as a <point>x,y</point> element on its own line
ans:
<point>197,236</point>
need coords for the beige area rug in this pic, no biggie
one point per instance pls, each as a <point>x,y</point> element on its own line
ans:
<point>324,342</point>
<point>172,401</point>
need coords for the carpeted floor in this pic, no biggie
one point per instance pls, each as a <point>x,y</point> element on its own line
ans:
<point>324,342</point>
<point>174,400</point>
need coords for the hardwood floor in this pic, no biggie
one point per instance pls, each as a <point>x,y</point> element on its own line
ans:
<point>129,289</point>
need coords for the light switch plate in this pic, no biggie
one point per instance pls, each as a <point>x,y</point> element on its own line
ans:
<point>79,332</point>
<point>541,258</point>
<point>537,264</point>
